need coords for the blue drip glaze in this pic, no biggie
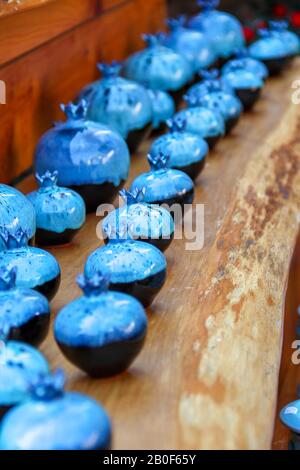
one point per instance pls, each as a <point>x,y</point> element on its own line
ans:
<point>163,107</point>
<point>16,212</point>
<point>240,78</point>
<point>184,148</point>
<point>254,66</point>
<point>269,46</point>
<point>126,261</point>
<point>290,416</point>
<point>57,209</point>
<point>228,105</point>
<point>141,220</point>
<point>223,30</point>
<point>158,67</point>
<point>202,121</point>
<point>194,45</point>
<point>85,322</point>
<point>20,364</point>
<point>122,104</point>
<point>210,83</point>
<point>82,152</point>
<point>290,39</point>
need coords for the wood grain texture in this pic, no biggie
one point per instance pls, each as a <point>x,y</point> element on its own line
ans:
<point>55,72</point>
<point>207,377</point>
<point>16,6</point>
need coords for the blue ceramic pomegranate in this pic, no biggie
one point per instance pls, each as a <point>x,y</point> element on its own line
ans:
<point>145,222</point>
<point>60,212</point>
<point>194,45</point>
<point>54,419</point>
<point>271,50</point>
<point>121,104</point>
<point>101,332</point>
<point>209,82</point>
<point>222,29</point>
<point>290,417</point>
<point>289,38</point>
<point>19,364</point>
<point>158,67</point>
<point>25,311</point>
<point>254,66</point>
<point>37,269</point>
<point>89,157</point>
<point>163,107</point>
<point>187,151</point>
<point>16,212</point>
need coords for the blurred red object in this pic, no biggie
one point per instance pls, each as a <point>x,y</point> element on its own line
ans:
<point>295,19</point>
<point>249,34</point>
<point>280,11</point>
<point>261,24</point>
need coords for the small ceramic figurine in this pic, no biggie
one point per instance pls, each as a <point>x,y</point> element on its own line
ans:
<point>37,269</point>
<point>290,417</point>
<point>247,85</point>
<point>25,311</point>
<point>121,104</point>
<point>223,30</point>
<point>209,79</point>
<point>54,419</point>
<point>89,157</point>
<point>271,50</point>
<point>163,185</point>
<point>289,38</point>
<point>159,67</point>
<point>145,222</point>
<point>187,151</point>
<point>133,267</point>
<point>194,45</point>
<point>60,212</point>
<point>208,124</point>
<point>16,212</point>
<point>101,332</point>
<point>163,107</point>
<point>254,66</point>
<point>19,363</point>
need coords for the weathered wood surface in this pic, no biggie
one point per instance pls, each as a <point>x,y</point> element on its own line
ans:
<point>208,375</point>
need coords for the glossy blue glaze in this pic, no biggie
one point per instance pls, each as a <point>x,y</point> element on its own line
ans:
<point>19,365</point>
<point>268,47</point>
<point>222,29</point>
<point>240,78</point>
<point>140,219</point>
<point>290,416</point>
<point>202,121</point>
<point>158,67</point>
<point>210,83</point>
<point>254,66</point>
<point>57,209</point>
<point>163,107</point>
<point>290,39</point>
<point>121,104</point>
<point>227,104</point>
<point>57,420</point>
<point>125,261</point>
<point>16,211</point>
<point>34,266</point>
<point>194,45</point>
<point>183,148</point>
<point>100,317</point>
<point>19,305</point>
<point>161,182</point>
<point>83,152</point>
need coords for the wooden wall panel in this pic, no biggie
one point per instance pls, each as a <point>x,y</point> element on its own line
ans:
<point>55,72</point>
<point>14,6</point>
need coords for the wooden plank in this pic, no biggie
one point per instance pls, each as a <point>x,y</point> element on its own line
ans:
<point>29,29</point>
<point>13,7</point>
<point>207,377</point>
<point>109,4</point>
<point>54,73</point>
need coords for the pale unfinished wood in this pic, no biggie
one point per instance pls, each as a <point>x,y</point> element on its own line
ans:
<point>207,377</point>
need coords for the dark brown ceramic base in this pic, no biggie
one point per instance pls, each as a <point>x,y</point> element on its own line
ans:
<point>159,130</point>
<point>161,243</point>
<point>248,97</point>
<point>187,198</point>
<point>194,169</point>
<point>50,288</point>
<point>276,66</point>
<point>231,123</point>
<point>212,141</point>
<point>135,138</point>
<point>34,331</point>
<point>104,361</point>
<point>96,194</point>
<point>4,410</point>
<point>144,290</point>
<point>48,238</point>
<point>179,94</point>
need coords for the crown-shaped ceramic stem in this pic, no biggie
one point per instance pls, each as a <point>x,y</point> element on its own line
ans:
<point>138,195</point>
<point>94,285</point>
<point>176,125</point>
<point>153,40</point>
<point>48,387</point>
<point>207,5</point>
<point>212,74</point>
<point>159,161</point>
<point>176,23</point>
<point>74,111</point>
<point>8,278</point>
<point>265,33</point>
<point>12,240</point>
<point>47,180</point>
<point>279,25</point>
<point>241,53</point>
<point>192,100</point>
<point>111,70</point>
<point>236,65</point>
